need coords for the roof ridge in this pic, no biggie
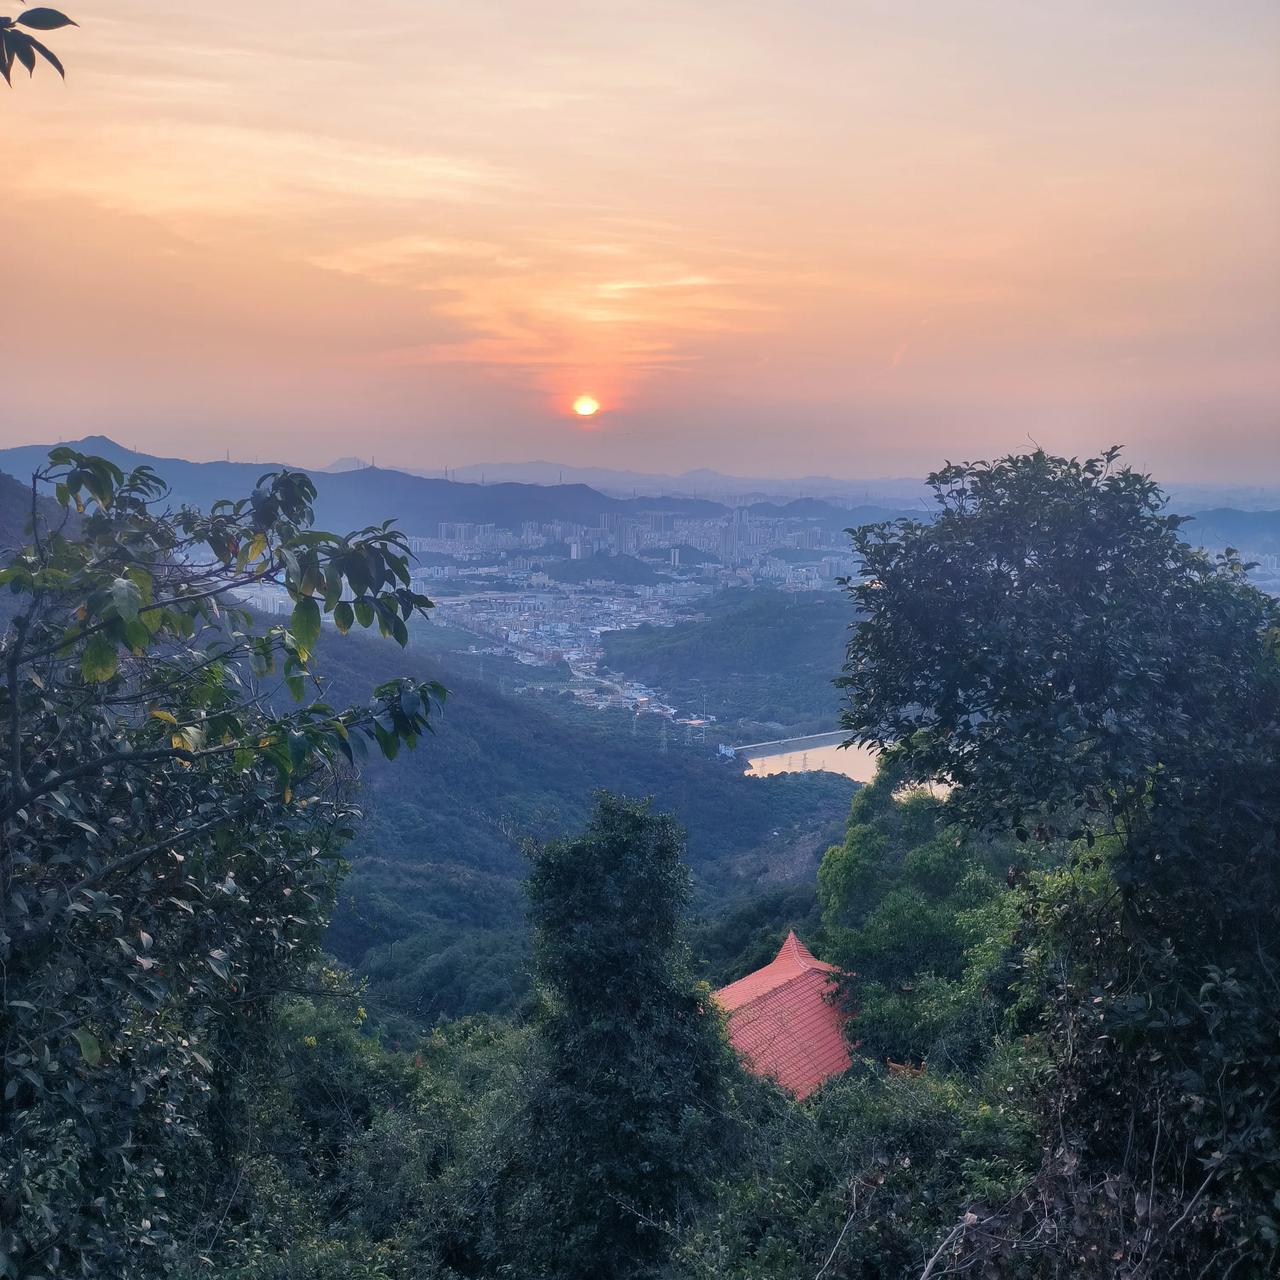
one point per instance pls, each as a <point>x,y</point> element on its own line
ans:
<point>803,956</point>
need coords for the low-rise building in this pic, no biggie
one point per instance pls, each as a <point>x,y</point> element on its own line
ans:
<point>784,1020</point>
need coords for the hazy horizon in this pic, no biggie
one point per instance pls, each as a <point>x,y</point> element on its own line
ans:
<point>893,490</point>
<point>841,240</point>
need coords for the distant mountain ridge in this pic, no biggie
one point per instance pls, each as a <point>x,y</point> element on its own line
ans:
<point>368,495</point>
<point>900,492</point>
<point>734,490</point>
<point>905,493</point>
<point>704,482</point>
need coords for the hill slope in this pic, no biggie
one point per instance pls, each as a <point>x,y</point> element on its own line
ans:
<point>762,658</point>
<point>436,866</point>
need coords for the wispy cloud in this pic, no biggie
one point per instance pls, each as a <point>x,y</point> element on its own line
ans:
<point>457,211</point>
<point>539,305</point>
<point>249,171</point>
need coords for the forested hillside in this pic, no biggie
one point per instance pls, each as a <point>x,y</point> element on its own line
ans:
<point>436,862</point>
<point>761,660</point>
<point>1060,975</point>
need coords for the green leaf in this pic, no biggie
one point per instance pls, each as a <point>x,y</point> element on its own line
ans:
<point>343,616</point>
<point>127,597</point>
<point>99,661</point>
<point>306,624</point>
<point>143,581</point>
<point>136,636</point>
<point>90,1049</point>
<point>332,584</point>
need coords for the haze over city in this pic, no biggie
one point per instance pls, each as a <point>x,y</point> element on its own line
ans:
<point>843,238</point>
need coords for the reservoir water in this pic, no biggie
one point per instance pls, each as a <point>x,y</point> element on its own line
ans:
<point>820,751</point>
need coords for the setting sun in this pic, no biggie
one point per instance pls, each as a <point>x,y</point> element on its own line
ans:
<point>586,406</point>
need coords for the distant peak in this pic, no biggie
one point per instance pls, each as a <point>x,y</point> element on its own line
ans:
<point>95,442</point>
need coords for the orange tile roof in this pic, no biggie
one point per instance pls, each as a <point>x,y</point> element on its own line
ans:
<point>783,1022</point>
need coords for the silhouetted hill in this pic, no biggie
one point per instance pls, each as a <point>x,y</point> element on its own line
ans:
<point>827,513</point>
<point>1257,531</point>
<point>624,570</point>
<point>705,483</point>
<point>369,495</point>
<point>352,499</point>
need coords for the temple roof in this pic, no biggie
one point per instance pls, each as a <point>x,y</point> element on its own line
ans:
<point>783,1022</point>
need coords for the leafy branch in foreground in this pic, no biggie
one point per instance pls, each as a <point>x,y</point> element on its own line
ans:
<point>169,827</point>
<point>20,46</point>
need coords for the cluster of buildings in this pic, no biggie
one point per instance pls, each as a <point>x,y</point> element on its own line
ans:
<point>532,595</point>
<point>508,586</point>
<point>736,543</point>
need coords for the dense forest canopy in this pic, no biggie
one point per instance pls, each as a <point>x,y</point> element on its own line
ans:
<point>1084,680</point>
<point>431,910</point>
<point>1059,956</point>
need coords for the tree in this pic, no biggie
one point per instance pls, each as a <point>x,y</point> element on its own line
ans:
<point>913,906</point>
<point>169,831</point>
<point>1052,647</point>
<point>624,1125</point>
<point>20,46</point>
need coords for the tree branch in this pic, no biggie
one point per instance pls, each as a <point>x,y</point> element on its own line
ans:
<point>101,764</point>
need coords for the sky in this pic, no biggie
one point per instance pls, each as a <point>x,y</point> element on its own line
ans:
<point>849,237</point>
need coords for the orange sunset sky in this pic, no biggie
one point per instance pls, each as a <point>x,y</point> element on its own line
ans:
<point>772,238</point>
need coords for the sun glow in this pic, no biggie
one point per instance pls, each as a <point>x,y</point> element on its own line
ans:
<point>586,406</point>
